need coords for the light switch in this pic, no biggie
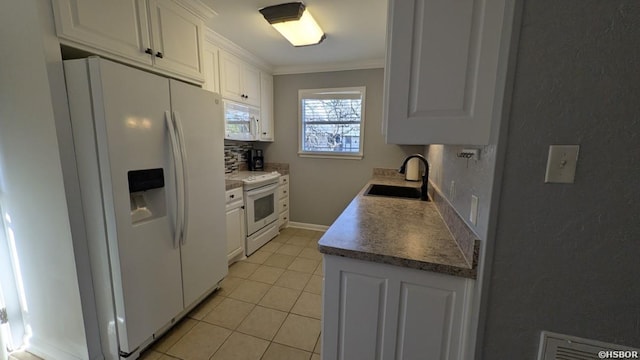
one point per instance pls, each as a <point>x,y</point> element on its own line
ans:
<point>561,164</point>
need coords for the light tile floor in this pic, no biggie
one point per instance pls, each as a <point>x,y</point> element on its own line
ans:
<point>268,308</point>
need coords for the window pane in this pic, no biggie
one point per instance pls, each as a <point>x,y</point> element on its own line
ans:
<point>335,110</point>
<point>332,137</point>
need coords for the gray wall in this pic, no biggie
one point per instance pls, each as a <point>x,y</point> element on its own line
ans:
<point>566,257</point>
<point>322,188</point>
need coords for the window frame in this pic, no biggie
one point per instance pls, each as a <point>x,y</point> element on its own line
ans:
<point>331,154</point>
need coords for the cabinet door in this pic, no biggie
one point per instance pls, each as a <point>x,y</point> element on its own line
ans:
<point>251,85</point>
<point>442,71</point>
<point>266,107</point>
<point>230,77</point>
<point>211,68</point>
<point>118,27</point>
<point>443,337</point>
<point>177,39</point>
<point>235,233</point>
<point>363,300</point>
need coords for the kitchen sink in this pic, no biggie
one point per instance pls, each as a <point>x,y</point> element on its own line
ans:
<point>393,191</point>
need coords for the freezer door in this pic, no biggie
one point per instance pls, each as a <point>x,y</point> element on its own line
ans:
<point>198,114</point>
<point>129,107</point>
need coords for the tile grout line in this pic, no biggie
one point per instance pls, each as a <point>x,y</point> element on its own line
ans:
<point>247,278</point>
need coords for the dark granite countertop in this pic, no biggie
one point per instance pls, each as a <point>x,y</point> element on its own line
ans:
<point>403,232</point>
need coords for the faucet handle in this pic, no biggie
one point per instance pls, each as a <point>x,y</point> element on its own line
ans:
<point>402,169</point>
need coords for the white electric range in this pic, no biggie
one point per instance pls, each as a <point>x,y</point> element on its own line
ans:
<point>261,206</point>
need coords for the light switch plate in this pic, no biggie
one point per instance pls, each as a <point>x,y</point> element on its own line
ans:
<point>561,164</point>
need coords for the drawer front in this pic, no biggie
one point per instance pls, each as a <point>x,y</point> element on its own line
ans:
<point>284,205</point>
<point>284,191</point>
<point>233,195</point>
<point>284,179</point>
<point>284,219</point>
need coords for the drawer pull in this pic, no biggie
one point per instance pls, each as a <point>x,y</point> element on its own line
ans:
<point>232,196</point>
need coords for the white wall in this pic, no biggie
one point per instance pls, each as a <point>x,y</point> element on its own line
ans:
<point>33,187</point>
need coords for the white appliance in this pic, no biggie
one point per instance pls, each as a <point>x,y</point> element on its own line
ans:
<point>148,152</point>
<point>261,205</point>
<point>240,121</point>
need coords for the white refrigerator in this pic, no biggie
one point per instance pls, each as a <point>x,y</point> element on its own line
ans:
<point>150,159</point>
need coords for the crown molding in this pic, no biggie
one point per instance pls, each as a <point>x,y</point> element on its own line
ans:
<point>199,9</point>
<point>327,67</point>
<point>231,47</point>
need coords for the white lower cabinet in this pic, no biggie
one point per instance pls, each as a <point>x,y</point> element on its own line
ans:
<point>379,311</point>
<point>236,233</point>
<point>283,202</point>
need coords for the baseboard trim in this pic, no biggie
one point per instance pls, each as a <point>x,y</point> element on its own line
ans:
<point>47,351</point>
<point>299,225</point>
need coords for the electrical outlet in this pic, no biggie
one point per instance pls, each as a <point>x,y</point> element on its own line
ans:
<point>561,164</point>
<point>473,214</point>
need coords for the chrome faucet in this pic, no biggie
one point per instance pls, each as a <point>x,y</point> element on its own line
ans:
<point>425,175</point>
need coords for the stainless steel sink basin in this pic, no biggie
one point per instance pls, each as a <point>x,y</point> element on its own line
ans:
<point>393,191</point>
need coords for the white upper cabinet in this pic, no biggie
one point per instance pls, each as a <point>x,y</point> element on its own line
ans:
<point>239,81</point>
<point>122,27</point>
<point>177,36</point>
<point>162,35</point>
<point>266,107</point>
<point>443,78</point>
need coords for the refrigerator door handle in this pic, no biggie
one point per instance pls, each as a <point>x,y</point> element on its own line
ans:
<point>185,182</point>
<point>178,178</point>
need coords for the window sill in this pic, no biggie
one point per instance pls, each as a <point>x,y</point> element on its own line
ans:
<point>320,155</point>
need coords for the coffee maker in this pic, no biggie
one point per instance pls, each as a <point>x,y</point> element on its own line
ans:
<point>255,159</point>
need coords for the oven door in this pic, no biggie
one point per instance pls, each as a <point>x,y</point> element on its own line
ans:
<point>262,207</point>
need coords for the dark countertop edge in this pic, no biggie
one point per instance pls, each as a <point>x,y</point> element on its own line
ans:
<point>469,273</point>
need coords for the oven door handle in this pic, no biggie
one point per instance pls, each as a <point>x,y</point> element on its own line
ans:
<point>262,190</point>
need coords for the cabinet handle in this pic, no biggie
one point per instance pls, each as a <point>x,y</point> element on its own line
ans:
<point>242,207</point>
<point>232,196</point>
<point>149,51</point>
<point>159,54</point>
<point>264,133</point>
<point>285,191</point>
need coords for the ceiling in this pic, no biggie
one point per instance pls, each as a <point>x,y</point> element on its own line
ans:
<point>355,31</point>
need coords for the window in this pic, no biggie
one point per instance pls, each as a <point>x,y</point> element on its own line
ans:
<point>331,122</point>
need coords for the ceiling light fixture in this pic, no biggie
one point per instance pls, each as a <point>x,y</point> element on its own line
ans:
<point>295,23</point>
